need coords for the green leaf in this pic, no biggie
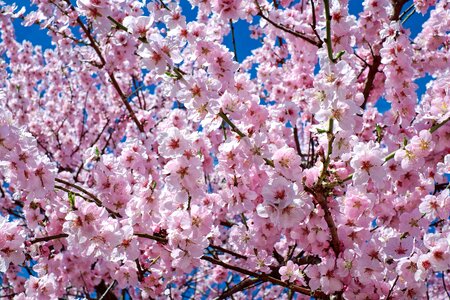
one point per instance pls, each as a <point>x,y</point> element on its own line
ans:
<point>339,55</point>
<point>171,75</point>
<point>71,197</point>
<point>153,185</point>
<point>379,132</point>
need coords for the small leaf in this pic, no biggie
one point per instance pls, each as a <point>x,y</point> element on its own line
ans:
<point>71,197</point>
<point>379,132</point>
<point>153,185</point>
<point>171,75</point>
<point>339,55</point>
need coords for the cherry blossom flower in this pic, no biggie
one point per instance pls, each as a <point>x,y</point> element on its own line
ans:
<point>143,154</point>
<point>11,244</point>
<point>290,272</point>
<point>367,163</point>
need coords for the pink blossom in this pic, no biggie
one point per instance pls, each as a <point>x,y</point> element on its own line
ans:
<point>11,244</point>
<point>288,163</point>
<point>143,152</point>
<point>367,163</point>
<point>290,272</point>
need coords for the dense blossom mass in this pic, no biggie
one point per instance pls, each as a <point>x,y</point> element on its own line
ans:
<point>142,158</point>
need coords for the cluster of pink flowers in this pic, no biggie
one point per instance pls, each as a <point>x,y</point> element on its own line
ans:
<point>11,244</point>
<point>142,156</point>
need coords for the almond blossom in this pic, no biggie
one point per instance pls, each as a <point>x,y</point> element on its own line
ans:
<point>161,151</point>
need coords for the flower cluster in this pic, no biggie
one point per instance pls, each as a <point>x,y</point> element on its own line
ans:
<point>144,156</point>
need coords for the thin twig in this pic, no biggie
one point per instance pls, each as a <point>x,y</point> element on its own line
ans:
<point>107,290</point>
<point>445,285</point>
<point>241,286</point>
<point>219,248</point>
<point>412,6</point>
<point>234,41</point>
<point>152,237</point>
<point>231,124</point>
<point>408,16</point>
<point>264,277</point>
<point>92,196</point>
<point>392,287</point>
<point>328,29</point>
<point>95,46</point>
<point>284,28</point>
<point>438,125</point>
<point>297,142</point>
<point>49,238</point>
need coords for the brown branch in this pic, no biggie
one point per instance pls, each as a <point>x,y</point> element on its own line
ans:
<point>285,29</point>
<point>440,187</point>
<point>49,238</point>
<point>259,277</point>
<point>392,288</point>
<point>92,196</point>
<point>74,193</point>
<point>335,242</point>
<point>398,5</point>
<point>233,41</point>
<point>125,101</point>
<point>267,278</point>
<point>218,248</point>
<point>97,50</point>
<point>314,22</point>
<point>159,239</point>
<point>140,271</point>
<point>231,124</point>
<point>163,240</point>
<point>373,70</point>
<point>308,260</point>
<point>297,142</point>
<point>241,286</point>
<point>2,192</point>
<point>105,291</point>
<point>227,223</point>
<point>240,133</point>
<point>9,296</point>
<point>444,285</point>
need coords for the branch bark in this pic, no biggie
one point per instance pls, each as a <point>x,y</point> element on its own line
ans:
<point>92,196</point>
<point>95,46</point>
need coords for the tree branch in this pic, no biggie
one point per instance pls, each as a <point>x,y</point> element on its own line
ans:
<point>92,196</point>
<point>265,278</point>
<point>373,70</point>
<point>49,238</point>
<point>284,28</point>
<point>114,82</point>
<point>392,288</point>
<point>234,41</point>
<point>297,142</point>
<point>328,29</point>
<point>335,242</point>
<point>159,239</point>
<point>224,250</point>
<point>241,286</point>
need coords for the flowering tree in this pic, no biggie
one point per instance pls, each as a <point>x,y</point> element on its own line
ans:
<point>141,159</point>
